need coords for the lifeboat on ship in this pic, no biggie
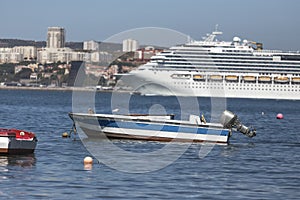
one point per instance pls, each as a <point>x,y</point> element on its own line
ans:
<point>249,78</point>
<point>264,79</point>
<point>281,79</point>
<point>13,141</point>
<point>198,77</point>
<point>216,77</point>
<point>231,78</point>
<point>296,80</point>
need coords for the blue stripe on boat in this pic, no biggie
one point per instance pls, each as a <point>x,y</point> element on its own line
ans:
<point>161,127</point>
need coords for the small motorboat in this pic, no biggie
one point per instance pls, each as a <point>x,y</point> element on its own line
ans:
<point>13,141</point>
<point>160,128</point>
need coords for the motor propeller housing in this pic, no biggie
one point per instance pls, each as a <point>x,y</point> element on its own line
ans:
<point>230,120</point>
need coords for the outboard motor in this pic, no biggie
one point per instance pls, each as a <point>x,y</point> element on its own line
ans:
<point>230,120</point>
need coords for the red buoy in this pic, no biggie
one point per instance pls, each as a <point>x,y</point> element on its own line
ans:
<point>279,116</point>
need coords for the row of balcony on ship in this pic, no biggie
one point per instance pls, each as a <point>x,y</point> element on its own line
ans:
<point>243,78</point>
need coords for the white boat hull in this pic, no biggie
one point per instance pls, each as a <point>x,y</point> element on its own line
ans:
<point>121,133</point>
<point>139,130</point>
<point>11,145</point>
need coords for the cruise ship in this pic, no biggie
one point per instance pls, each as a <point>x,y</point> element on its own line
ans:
<point>212,68</point>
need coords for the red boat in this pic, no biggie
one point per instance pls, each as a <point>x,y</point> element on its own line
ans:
<point>13,141</point>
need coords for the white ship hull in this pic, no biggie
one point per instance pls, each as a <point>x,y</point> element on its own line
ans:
<point>149,82</point>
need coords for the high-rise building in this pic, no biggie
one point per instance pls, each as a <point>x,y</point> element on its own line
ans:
<point>56,37</point>
<point>130,45</point>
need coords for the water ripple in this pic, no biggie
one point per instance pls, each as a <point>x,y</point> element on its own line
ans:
<point>265,167</point>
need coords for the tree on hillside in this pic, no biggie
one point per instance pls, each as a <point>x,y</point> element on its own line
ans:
<point>23,74</point>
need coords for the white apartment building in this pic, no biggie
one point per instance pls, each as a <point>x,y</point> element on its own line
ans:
<point>50,55</point>
<point>91,45</point>
<point>100,56</point>
<point>17,54</point>
<point>9,57</point>
<point>130,45</point>
<point>28,52</point>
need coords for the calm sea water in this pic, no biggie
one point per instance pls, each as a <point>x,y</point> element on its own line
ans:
<point>264,167</point>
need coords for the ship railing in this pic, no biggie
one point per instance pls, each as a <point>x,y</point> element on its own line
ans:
<point>276,51</point>
<point>267,51</point>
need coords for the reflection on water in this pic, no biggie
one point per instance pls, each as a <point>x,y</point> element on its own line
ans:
<point>11,164</point>
<point>17,160</point>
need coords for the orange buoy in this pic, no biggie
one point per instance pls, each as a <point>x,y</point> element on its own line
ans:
<point>279,116</point>
<point>65,135</point>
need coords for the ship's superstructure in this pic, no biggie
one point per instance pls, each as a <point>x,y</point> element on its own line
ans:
<point>212,68</point>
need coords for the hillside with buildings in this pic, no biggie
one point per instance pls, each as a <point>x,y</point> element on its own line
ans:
<point>55,62</point>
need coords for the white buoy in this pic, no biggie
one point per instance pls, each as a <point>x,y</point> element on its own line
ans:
<point>88,160</point>
<point>88,163</point>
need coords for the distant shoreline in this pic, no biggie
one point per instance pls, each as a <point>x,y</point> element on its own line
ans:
<point>38,88</point>
<point>59,89</point>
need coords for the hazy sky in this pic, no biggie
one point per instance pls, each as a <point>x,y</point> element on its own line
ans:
<point>276,23</point>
